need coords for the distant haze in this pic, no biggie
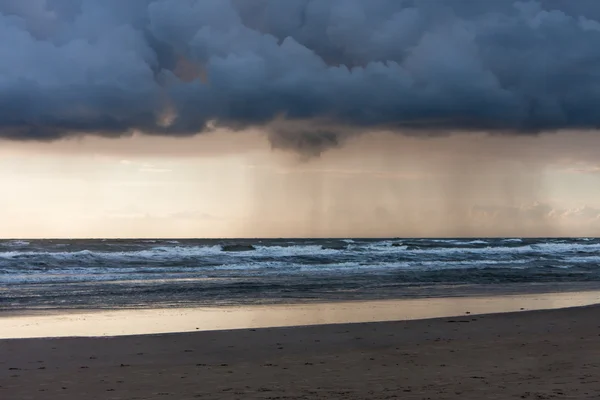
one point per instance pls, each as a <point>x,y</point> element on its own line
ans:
<point>233,184</point>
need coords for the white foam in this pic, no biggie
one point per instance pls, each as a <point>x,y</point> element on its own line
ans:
<point>161,252</point>
<point>17,243</point>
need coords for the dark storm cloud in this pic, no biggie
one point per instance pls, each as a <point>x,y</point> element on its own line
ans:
<point>331,67</point>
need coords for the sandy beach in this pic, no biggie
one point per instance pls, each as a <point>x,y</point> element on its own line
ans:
<point>530,355</point>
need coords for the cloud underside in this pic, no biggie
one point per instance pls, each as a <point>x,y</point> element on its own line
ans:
<point>311,72</point>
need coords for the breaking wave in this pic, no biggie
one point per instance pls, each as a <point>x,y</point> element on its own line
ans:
<point>80,271</point>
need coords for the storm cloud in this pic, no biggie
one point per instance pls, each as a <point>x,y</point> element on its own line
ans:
<point>311,72</point>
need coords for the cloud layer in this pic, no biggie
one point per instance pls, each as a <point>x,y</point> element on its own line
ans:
<point>311,71</point>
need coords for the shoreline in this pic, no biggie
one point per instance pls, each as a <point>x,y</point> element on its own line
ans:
<point>133,322</point>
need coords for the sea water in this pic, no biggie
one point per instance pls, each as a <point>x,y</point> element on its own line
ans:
<point>98,274</point>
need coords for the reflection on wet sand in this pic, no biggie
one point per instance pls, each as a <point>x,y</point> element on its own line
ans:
<point>135,322</point>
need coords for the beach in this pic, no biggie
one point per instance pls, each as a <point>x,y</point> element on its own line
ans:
<point>528,354</point>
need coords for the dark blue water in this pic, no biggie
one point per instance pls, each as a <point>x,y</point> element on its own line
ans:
<point>161,273</point>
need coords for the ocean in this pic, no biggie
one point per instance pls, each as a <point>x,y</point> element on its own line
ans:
<point>109,274</point>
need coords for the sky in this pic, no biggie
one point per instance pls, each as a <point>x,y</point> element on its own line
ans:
<point>303,118</point>
<point>232,184</point>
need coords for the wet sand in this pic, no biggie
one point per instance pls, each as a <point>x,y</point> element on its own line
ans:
<point>62,323</point>
<point>525,355</point>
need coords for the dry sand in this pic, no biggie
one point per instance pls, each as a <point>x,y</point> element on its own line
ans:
<point>529,355</point>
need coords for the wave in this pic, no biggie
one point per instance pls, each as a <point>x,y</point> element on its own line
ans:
<point>160,252</point>
<point>151,253</point>
<point>15,243</point>
<point>342,272</point>
<point>40,261</point>
<point>273,269</point>
<point>94,273</point>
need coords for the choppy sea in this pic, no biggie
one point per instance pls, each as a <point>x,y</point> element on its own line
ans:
<point>98,274</point>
